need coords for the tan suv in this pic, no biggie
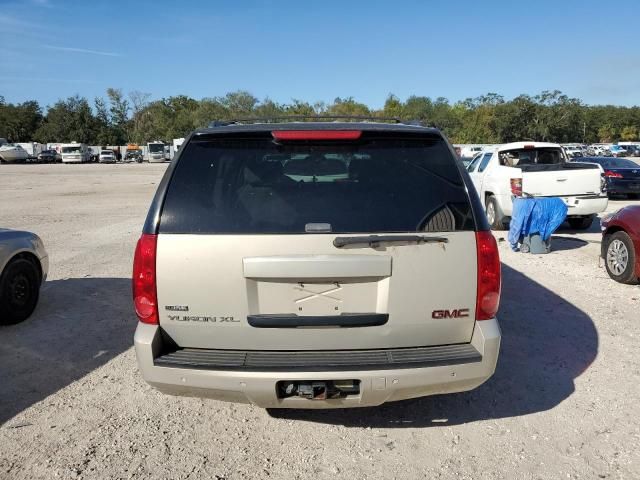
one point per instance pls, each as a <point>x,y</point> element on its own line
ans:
<point>316,265</point>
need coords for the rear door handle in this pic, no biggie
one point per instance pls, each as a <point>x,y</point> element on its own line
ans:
<point>294,321</point>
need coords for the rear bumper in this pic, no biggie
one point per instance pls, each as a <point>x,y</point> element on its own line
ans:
<point>376,386</point>
<point>578,205</point>
<point>586,205</point>
<point>623,186</point>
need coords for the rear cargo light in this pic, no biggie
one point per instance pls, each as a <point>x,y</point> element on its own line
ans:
<point>145,298</point>
<point>284,135</point>
<point>488,293</point>
<point>516,187</point>
<point>611,174</point>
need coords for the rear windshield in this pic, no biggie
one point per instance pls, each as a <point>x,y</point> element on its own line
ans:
<point>619,163</point>
<point>71,150</point>
<point>106,152</point>
<point>522,157</point>
<point>156,147</point>
<point>253,185</point>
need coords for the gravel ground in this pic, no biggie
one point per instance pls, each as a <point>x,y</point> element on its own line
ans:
<point>562,404</point>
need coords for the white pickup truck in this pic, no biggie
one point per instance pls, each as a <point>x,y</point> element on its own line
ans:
<point>540,170</point>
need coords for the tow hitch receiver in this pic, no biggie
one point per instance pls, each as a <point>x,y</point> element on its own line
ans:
<point>318,390</point>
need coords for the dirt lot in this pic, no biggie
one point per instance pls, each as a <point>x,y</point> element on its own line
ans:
<point>562,404</point>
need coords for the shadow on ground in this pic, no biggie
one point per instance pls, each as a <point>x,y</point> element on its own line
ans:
<point>547,342</point>
<point>79,325</point>
<point>559,243</point>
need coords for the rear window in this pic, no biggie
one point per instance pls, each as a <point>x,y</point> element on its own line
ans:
<point>253,185</point>
<point>620,163</point>
<point>71,150</point>
<point>523,157</point>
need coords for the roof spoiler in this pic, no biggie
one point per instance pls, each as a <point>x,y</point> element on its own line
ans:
<point>314,118</point>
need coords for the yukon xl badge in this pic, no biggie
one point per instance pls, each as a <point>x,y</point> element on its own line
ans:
<point>455,313</point>
<point>177,308</point>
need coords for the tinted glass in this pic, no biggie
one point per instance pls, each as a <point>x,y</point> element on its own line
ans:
<point>485,161</point>
<point>474,163</point>
<point>620,163</point>
<point>71,150</point>
<point>531,156</point>
<point>373,185</point>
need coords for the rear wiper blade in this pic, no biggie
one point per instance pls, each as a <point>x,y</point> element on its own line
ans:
<point>375,240</point>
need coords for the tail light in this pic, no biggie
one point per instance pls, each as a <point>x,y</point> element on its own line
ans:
<point>516,187</point>
<point>610,174</point>
<point>145,298</point>
<point>280,135</point>
<point>488,293</point>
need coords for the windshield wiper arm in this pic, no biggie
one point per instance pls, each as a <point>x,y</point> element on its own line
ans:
<point>375,240</point>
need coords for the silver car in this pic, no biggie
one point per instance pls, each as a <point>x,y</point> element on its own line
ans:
<point>24,265</point>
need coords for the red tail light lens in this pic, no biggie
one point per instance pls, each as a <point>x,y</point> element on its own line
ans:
<point>488,294</point>
<point>145,298</point>
<point>611,174</point>
<point>293,135</point>
<point>516,187</point>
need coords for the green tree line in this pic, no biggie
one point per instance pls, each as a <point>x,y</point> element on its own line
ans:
<point>119,118</point>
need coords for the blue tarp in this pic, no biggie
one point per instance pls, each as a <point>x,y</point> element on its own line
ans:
<point>535,215</point>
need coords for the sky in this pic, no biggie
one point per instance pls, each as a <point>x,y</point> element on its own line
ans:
<point>317,51</point>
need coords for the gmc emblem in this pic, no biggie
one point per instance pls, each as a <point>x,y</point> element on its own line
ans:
<point>456,313</point>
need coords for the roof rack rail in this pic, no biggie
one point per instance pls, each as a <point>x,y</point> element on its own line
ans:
<point>318,118</point>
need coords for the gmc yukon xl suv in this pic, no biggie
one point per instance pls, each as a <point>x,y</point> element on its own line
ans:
<point>316,265</point>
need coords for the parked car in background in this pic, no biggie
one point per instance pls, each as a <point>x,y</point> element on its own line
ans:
<point>108,156</point>
<point>622,176</point>
<point>540,170</point>
<point>573,151</point>
<point>74,153</point>
<point>632,150</point>
<point>49,156</point>
<point>24,265</point>
<point>155,152</point>
<point>11,153</point>
<point>470,151</point>
<point>94,156</point>
<point>618,151</point>
<point>287,297</point>
<point>621,244</point>
<point>133,156</point>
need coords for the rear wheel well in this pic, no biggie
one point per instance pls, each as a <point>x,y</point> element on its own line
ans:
<point>608,232</point>
<point>612,230</point>
<point>30,257</point>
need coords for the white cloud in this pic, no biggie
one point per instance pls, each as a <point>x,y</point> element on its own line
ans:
<point>82,50</point>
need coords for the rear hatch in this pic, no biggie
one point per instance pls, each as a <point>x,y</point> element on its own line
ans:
<point>316,244</point>
<point>545,172</point>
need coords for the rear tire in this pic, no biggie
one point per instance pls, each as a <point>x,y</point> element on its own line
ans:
<point>19,291</point>
<point>583,223</point>
<point>620,258</point>
<point>495,217</point>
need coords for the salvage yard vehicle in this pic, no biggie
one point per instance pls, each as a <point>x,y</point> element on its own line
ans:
<point>24,265</point>
<point>155,152</point>
<point>622,176</point>
<point>75,153</point>
<point>537,169</point>
<point>621,244</point>
<point>316,265</point>
<point>618,151</point>
<point>107,156</point>
<point>49,156</point>
<point>11,153</point>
